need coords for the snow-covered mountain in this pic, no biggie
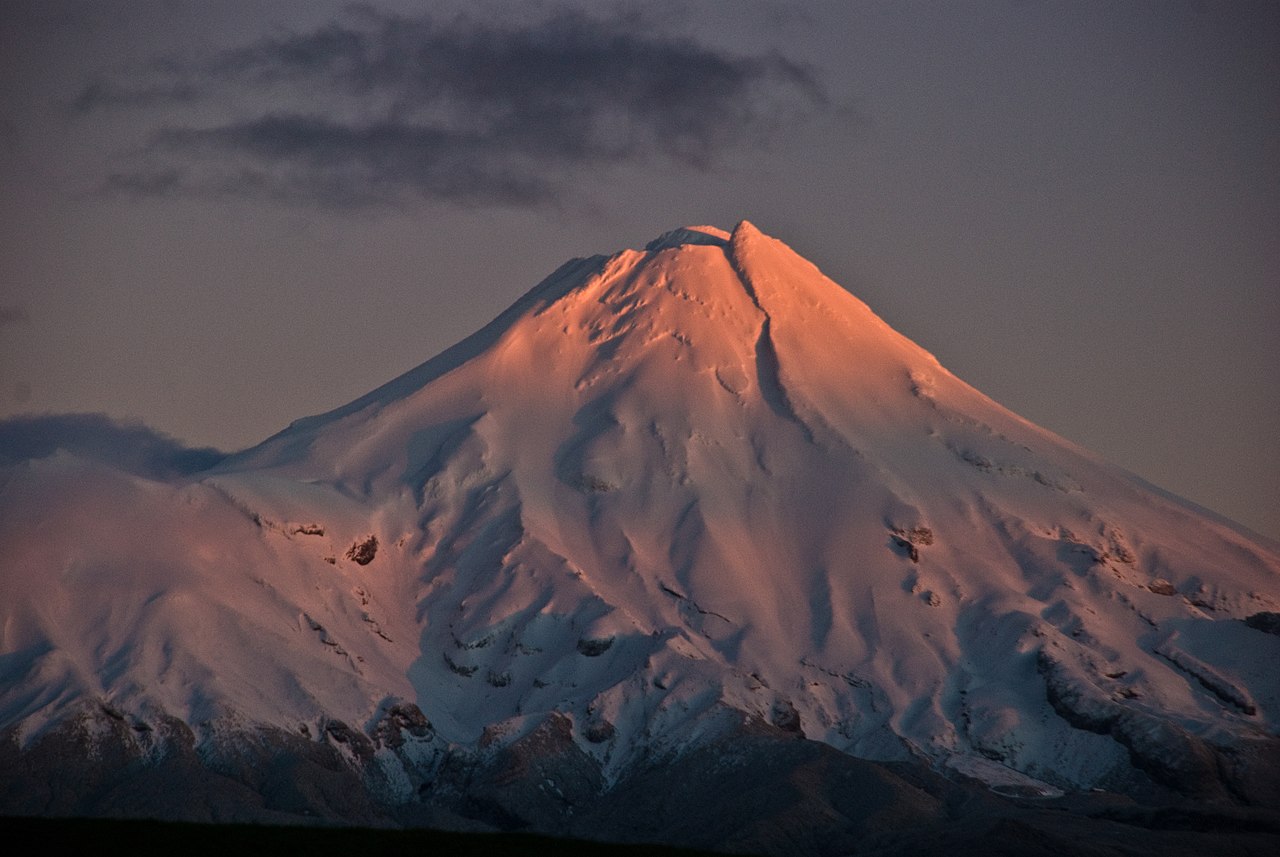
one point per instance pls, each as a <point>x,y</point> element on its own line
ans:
<point>668,496</point>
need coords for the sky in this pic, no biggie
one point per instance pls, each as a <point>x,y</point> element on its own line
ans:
<point>219,217</point>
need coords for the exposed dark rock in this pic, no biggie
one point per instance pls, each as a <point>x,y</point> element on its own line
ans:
<point>976,459</point>
<point>409,718</point>
<point>1266,622</point>
<point>907,548</point>
<point>401,719</point>
<point>785,717</point>
<point>594,648</point>
<point>457,668</point>
<point>595,485</point>
<point>916,535</point>
<point>363,551</point>
<point>340,733</point>
<point>599,732</point>
<point>1210,679</point>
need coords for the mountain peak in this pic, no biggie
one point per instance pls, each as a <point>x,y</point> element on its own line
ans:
<point>663,485</point>
<point>744,233</point>
<point>700,312</point>
<point>745,229</point>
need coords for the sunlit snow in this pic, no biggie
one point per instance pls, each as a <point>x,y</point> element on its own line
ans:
<point>667,487</point>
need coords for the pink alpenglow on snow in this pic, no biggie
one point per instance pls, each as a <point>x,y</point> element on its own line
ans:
<point>667,490</point>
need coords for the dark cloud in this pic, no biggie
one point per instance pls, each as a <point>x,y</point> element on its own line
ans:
<point>131,447</point>
<point>378,108</point>
<point>318,159</point>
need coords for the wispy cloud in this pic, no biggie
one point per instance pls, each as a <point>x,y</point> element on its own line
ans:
<point>131,447</point>
<point>376,108</point>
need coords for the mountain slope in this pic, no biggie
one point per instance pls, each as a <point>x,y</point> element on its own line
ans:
<point>667,493</point>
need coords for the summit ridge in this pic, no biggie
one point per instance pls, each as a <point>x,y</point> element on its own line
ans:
<point>710,235</point>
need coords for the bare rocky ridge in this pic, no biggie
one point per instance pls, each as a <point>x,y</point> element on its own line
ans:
<point>677,507</point>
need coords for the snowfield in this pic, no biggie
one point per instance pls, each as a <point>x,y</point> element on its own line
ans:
<point>670,494</point>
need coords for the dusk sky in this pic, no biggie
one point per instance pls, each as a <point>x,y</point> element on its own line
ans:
<point>219,217</point>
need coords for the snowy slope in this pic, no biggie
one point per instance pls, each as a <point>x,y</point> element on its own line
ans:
<point>667,489</point>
